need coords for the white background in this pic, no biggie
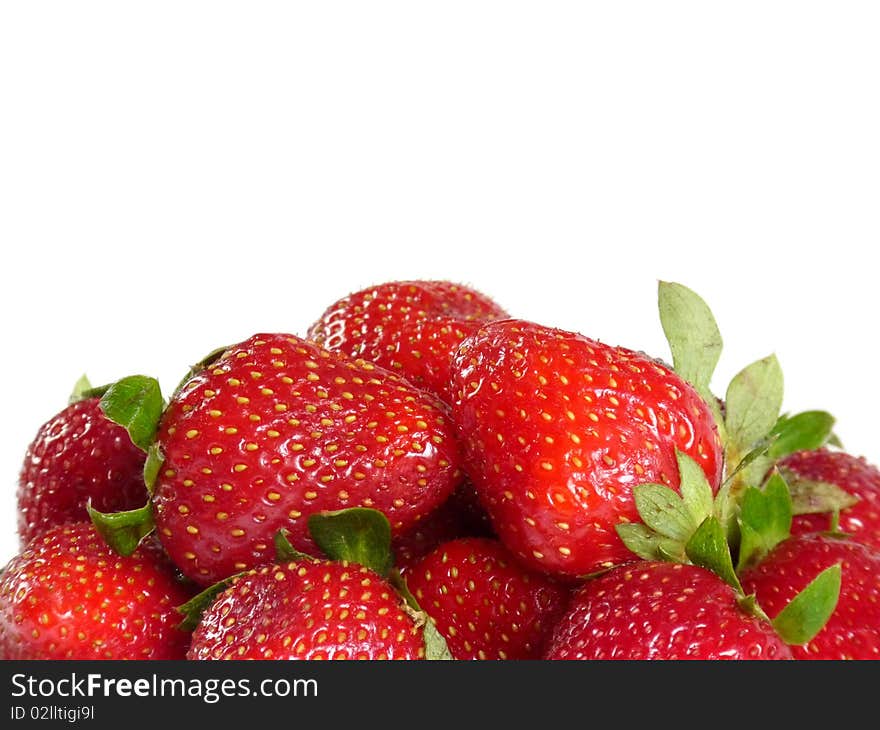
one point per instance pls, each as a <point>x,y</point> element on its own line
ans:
<point>175,176</point>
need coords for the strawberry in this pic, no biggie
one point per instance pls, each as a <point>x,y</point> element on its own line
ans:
<point>76,456</point>
<point>308,610</point>
<point>662,611</point>
<point>484,603</point>
<point>558,428</point>
<point>853,629</point>
<point>67,595</point>
<point>409,327</point>
<point>851,474</point>
<point>275,429</point>
<point>349,602</point>
<point>459,516</point>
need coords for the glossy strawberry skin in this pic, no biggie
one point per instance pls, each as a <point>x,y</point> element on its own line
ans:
<point>661,611</point>
<point>853,631</point>
<point>67,595</point>
<point>556,429</point>
<point>277,429</point>
<point>307,610</point>
<point>77,455</point>
<point>850,473</point>
<point>409,327</point>
<point>484,603</point>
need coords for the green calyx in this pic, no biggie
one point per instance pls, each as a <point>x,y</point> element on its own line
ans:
<point>752,405</point>
<point>802,432</point>
<point>752,511</point>
<point>123,531</point>
<point>669,518</point>
<point>83,389</point>
<point>681,526</point>
<point>358,534</point>
<point>152,466</point>
<point>694,339</point>
<point>754,433</point>
<point>764,520</point>
<point>135,403</point>
<point>688,528</point>
<point>805,615</point>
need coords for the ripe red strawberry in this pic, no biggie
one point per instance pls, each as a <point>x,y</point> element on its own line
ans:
<point>459,516</point>
<point>558,428</point>
<point>853,475</point>
<point>308,610</point>
<point>853,630</point>
<point>276,429</point>
<point>484,603</point>
<point>410,327</point>
<point>650,610</point>
<point>77,455</point>
<point>67,595</point>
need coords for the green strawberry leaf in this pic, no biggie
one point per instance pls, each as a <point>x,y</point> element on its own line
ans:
<point>647,544</point>
<point>809,610</point>
<point>436,647</point>
<point>83,389</point>
<point>750,544</point>
<point>752,404</point>
<point>726,509</point>
<point>802,432</point>
<point>123,531</point>
<point>695,490</point>
<point>136,404</point>
<point>765,520</point>
<point>663,510</point>
<point>749,604</point>
<point>669,519</point>
<point>152,466</point>
<point>834,526</point>
<point>81,386</point>
<point>284,551</point>
<point>193,609</point>
<point>691,331</point>
<point>672,551</point>
<point>693,336</point>
<point>812,497</point>
<point>640,539</point>
<point>708,548</point>
<point>358,535</point>
<point>754,465</point>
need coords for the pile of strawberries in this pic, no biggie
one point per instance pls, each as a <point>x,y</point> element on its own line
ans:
<point>424,476</point>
